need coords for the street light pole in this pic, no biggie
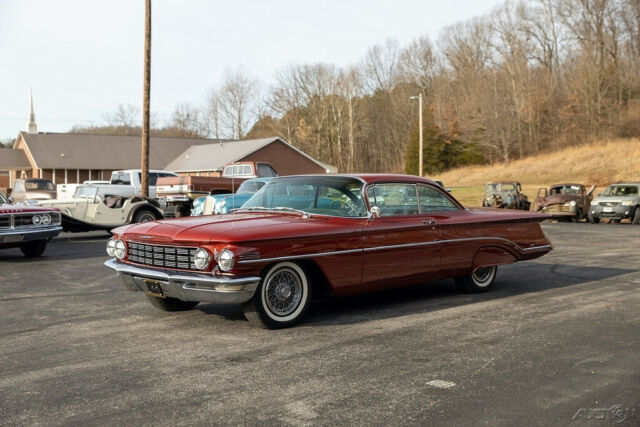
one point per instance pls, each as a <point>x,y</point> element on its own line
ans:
<point>145,100</point>
<point>420,160</point>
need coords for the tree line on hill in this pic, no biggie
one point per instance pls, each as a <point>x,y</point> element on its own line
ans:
<point>529,76</point>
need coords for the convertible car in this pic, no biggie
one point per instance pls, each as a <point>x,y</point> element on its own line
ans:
<point>88,211</point>
<point>346,234</point>
<point>27,227</point>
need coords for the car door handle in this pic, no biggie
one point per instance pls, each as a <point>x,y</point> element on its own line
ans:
<point>429,222</point>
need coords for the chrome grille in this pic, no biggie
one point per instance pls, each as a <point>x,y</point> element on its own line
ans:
<point>161,256</point>
<point>608,203</point>
<point>5,221</point>
<point>21,220</point>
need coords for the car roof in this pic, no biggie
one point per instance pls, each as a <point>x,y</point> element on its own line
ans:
<point>565,184</point>
<point>503,182</point>
<point>371,178</point>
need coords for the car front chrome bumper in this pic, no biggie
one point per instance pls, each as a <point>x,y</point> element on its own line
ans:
<point>186,286</point>
<point>16,235</point>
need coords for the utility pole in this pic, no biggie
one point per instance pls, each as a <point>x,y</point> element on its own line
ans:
<point>146,99</point>
<point>420,160</point>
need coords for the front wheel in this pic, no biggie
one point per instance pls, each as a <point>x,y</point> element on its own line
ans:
<point>578,216</point>
<point>593,219</point>
<point>636,216</point>
<point>282,298</point>
<point>481,280</point>
<point>34,248</point>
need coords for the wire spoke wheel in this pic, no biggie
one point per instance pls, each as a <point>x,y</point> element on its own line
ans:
<point>283,292</point>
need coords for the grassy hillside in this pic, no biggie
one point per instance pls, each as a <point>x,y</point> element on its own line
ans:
<point>599,163</point>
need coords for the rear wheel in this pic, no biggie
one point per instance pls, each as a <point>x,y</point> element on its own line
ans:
<point>593,219</point>
<point>282,298</point>
<point>171,304</point>
<point>144,215</point>
<point>33,249</point>
<point>481,280</point>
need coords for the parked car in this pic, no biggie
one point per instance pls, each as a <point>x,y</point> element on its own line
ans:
<point>219,204</point>
<point>66,191</point>
<point>128,183</point>
<point>179,193</point>
<point>298,235</point>
<point>27,227</point>
<point>36,189</point>
<point>617,201</point>
<point>505,195</point>
<point>564,201</point>
<point>88,211</point>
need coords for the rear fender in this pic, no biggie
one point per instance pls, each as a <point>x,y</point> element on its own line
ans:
<point>486,257</point>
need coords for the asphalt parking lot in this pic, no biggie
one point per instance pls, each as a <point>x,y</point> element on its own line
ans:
<point>555,342</point>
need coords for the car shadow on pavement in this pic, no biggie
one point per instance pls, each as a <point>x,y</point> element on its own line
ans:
<point>69,246</point>
<point>512,280</point>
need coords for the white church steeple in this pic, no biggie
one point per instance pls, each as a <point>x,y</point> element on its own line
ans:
<point>33,127</point>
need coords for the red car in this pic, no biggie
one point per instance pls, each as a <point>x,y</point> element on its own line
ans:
<point>298,235</point>
<point>27,227</point>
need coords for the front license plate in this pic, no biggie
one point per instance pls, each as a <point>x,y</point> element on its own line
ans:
<point>11,238</point>
<point>154,288</point>
<point>607,210</point>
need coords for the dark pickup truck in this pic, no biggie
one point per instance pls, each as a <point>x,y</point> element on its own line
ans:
<point>179,192</point>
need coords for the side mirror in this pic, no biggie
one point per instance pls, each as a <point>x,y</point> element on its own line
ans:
<point>10,199</point>
<point>373,214</point>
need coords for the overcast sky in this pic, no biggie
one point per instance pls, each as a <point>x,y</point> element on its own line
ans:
<point>84,57</point>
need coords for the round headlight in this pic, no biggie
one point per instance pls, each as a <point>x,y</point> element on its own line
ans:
<point>571,203</point>
<point>121,249</point>
<point>46,219</point>
<point>111,247</point>
<point>201,258</point>
<point>36,219</point>
<point>226,260</point>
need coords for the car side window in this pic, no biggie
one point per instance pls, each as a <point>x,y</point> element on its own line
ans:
<point>394,199</point>
<point>265,170</point>
<point>431,200</point>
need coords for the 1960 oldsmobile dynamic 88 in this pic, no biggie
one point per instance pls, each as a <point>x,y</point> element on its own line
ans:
<point>27,227</point>
<point>348,234</point>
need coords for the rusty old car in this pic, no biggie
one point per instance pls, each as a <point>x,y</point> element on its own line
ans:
<point>505,195</point>
<point>298,235</point>
<point>32,189</point>
<point>27,227</point>
<point>564,201</point>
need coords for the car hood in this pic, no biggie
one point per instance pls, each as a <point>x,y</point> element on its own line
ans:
<point>231,228</point>
<point>614,199</point>
<point>6,209</point>
<point>558,199</point>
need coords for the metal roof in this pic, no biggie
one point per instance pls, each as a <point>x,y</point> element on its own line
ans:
<point>13,159</point>
<point>213,157</point>
<point>109,152</point>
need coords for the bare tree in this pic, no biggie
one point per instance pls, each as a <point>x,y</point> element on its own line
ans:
<point>125,115</point>
<point>238,96</point>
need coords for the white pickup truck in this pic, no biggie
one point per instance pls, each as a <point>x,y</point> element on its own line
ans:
<point>127,183</point>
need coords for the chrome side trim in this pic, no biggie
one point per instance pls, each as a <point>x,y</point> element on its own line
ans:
<point>404,245</point>
<point>283,258</point>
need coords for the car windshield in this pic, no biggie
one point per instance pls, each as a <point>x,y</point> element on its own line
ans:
<point>85,192</point>
<point>565,189</point>
<point>324,195</point>
<point>507,187</point>
<point>621,190</point>
<point>250,186</point>
<point>32,185</point>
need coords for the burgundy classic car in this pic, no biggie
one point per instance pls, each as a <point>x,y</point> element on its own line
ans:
<point>347,234</point>
<point>27,227</point>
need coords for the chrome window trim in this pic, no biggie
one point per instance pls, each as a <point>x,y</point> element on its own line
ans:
<point>404,245</point>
